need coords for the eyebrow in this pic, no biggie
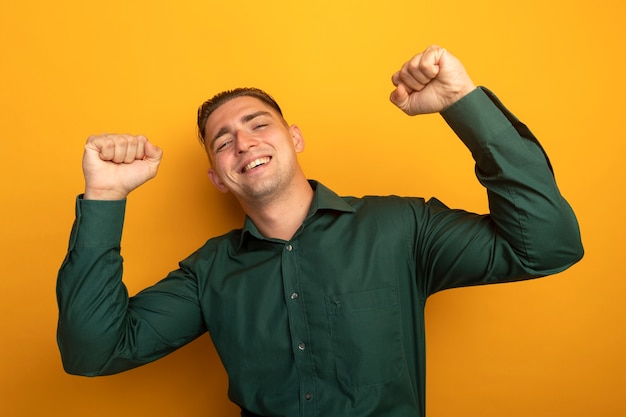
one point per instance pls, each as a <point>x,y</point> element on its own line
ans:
<point>246,118</point>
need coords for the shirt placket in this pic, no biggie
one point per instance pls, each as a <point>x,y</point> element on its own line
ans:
<point>300,340</point>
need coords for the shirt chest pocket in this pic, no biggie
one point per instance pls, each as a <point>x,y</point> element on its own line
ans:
<point>366,336</point>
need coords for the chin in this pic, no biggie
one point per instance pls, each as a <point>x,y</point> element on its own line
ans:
<point>259,189</point>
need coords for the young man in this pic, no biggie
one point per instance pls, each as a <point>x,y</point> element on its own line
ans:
<point>316,305</point>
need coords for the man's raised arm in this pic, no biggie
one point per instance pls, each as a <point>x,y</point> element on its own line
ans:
<point>531,230</point>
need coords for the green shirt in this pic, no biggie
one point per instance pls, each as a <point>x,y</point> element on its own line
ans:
<point>331,322</point>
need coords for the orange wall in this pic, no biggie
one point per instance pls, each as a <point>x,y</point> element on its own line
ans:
<point>70,68</point>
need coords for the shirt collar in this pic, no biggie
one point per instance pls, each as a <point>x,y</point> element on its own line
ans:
<point>326,199</point>
<point>323,199</point>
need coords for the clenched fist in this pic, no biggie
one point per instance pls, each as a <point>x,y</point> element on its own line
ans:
<point>114,165</point>
<point>430,82</point>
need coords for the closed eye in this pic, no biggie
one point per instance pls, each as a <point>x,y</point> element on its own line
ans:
<point>223,145</point>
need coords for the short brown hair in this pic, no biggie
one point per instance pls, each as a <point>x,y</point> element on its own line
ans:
<point>209,106</point>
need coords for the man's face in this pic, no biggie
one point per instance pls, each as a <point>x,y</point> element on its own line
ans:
<point>251,148</point>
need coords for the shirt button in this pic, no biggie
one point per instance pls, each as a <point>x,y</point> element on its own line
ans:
<point>294,296</point>
<point>289,248</point>
<point>301,346</point>
<point>308,396</point>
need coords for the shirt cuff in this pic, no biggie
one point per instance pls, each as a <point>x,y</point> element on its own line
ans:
<point>98,223</point>
<point>478,118</point>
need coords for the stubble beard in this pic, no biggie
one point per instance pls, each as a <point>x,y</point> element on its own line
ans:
<point>267,190</point>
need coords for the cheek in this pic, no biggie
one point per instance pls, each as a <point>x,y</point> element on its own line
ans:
<point>218,160</point>
<point>223,164</point>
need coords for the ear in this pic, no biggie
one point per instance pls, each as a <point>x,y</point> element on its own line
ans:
<point>217,181</point>
<point>296,136</point>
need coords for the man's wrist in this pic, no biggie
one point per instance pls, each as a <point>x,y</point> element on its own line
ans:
<point>94,194</point>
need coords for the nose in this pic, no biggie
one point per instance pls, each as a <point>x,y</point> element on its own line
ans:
<point>245,141</point>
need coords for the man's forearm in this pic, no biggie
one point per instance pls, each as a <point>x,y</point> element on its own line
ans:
<point>91,297</point>
<point>524,200</point>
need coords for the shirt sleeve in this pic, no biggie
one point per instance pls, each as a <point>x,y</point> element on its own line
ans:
<point>530,231</point>
<point>100,329</point>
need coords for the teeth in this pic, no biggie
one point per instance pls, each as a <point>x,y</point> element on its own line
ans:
<point>256,163</point>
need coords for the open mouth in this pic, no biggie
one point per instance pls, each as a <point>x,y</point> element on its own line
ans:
<point>255,164</point>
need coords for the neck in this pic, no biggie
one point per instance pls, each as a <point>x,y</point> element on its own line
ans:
<point>281,216</point>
